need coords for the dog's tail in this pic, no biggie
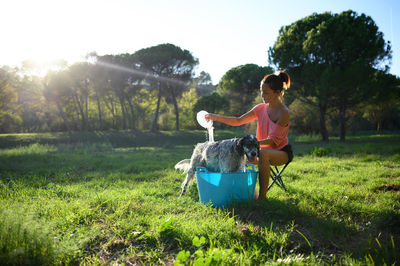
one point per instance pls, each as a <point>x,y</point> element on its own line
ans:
<point>183,165</point>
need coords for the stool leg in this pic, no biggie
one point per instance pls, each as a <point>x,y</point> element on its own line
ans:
<point>273,177</point>
<point>276,176</point>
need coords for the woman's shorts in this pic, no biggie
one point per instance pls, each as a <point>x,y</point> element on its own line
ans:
<point>288,150</point>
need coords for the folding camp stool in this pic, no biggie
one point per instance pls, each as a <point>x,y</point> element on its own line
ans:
<point>276,176</point>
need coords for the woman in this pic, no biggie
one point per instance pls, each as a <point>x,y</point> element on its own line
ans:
<point>272,126</point>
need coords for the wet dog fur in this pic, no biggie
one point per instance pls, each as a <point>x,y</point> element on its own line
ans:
<point>224,156</point>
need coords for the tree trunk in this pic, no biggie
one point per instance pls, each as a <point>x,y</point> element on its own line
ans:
<point>79,111</point>
<point>121,101</point>
<point>78,120</point>
<point>109,103</point>
<point>86,113</point>
<point>63,115</point>
<point>378,119</point>
<point>115,116</point>
<point>53,96</point>
<point>378,127</point>
<point>154,127</point>
<point>99,112</point>
<point>77,107</point>
<point>342,118</point>
<point>322,122</point>
<point>176,112</point>
<point>133,118</point>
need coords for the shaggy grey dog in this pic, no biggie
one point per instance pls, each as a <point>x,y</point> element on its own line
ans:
<point>224,156</point>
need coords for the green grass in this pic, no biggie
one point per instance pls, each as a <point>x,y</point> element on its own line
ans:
<point>99,198</point>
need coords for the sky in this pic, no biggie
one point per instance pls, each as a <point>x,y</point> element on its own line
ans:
<point>222,34</point>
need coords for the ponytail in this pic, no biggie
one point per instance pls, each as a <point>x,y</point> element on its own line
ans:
<point>277,82</point>
<point>285,79</point>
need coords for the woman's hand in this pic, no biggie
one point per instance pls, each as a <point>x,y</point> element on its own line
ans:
<point>209,117</point>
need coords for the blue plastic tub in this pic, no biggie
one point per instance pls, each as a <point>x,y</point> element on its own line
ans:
<point>221,189</point>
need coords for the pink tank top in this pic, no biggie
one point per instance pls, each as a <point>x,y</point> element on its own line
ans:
<point>267,129</point>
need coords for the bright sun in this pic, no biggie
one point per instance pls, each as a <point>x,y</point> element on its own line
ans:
<point>43,32</point>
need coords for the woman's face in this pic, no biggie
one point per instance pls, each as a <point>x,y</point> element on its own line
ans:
<point>267,94</point>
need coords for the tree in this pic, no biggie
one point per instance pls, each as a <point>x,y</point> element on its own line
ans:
<point>309,78</point>
<point>354,46</point>
<point>213,103</point>
<point>56,86</point>
<point>203,84</point>
<point>36,115</point>
<point>81,88</point>
<point>9,117</point>
<point>336,57</point>
<point>386,96</point>
<point>186,103</point>
<point>99,81</point>
<point>204,78</point>
<point>171,69</point>
<point>113,68</point>
<point>240,85</point>
<point>302,117</point>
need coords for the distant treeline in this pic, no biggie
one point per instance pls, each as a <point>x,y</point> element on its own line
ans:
<point>338,64</point>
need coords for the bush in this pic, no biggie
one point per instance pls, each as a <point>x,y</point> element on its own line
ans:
<point>23,241</point>
<point>320,152</point>
<point>213,103</point>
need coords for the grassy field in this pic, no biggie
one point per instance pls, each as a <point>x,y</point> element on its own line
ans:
<point>99,198</point>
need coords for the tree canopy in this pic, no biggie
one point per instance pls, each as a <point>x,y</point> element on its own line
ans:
<point>156,88</point>
<point>9,120</point>
<point>240,85</point>
<point>332,57</point>
<point>171,68</point>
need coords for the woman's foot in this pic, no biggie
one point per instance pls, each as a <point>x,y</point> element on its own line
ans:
<point>256,194</point>
<point>261,197</point>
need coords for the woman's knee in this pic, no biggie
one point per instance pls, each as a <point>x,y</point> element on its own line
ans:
<point>273,157</point>
<point>264,154</point>
<point>264,158</point>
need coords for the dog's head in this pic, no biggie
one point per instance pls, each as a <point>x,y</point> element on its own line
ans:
<point>250,146</point>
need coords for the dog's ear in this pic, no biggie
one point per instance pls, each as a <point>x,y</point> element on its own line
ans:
<point>239,145</point>
<point>258,144</point>
<point>239,142</point>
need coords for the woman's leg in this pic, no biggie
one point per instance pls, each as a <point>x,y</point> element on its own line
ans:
<point>267,158</point>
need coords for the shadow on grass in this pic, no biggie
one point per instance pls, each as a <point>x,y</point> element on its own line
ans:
<point>117,139</point>
<point>312,233</point>
<point>326,235</point>
<point>68,168</point>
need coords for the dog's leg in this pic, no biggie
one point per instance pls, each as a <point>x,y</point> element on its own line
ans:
<point>185,183</point>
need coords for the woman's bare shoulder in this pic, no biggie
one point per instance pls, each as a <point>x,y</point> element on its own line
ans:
<point>284,116</point>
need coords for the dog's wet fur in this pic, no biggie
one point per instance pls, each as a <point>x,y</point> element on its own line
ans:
<point>224,156</point>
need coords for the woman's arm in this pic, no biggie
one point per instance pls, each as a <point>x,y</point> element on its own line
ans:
<point>268,142</point>
<point>283,120</point>
<point>233,121</point>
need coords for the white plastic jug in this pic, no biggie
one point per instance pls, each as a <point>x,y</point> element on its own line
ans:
<point>201,119</point>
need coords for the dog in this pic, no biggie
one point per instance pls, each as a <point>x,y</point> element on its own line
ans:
<point>224,156</point>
